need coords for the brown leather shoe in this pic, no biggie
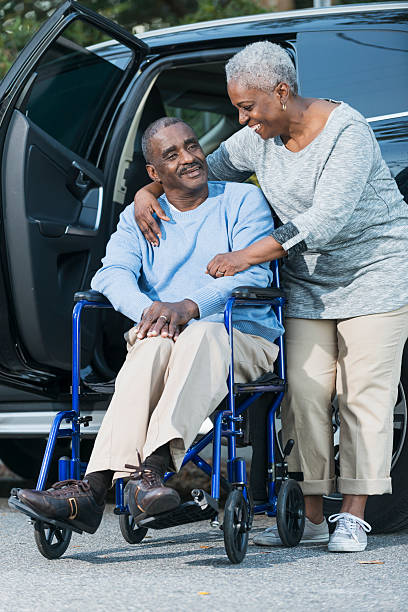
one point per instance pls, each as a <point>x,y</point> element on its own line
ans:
<point>146,495</point>
<point>68,500</point>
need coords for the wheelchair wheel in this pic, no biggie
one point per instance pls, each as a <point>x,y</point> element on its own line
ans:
<point>51,541</point>
<point>290,513</point>
<point>236,526</point>
<point>130,530</point>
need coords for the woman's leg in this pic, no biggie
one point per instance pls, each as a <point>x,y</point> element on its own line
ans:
<point>314,508</point>
<point>368,370</point>
<point>311,350</point>
<point>369,365</point>
<point>311,355</point>
<point>354,504</point>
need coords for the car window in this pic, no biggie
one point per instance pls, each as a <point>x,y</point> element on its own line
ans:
<point>200,121</point>
<point>366,68</point>
<point>74,84</point>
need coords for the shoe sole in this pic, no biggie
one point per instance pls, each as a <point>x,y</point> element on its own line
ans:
<point>321,540</point>
<point>345,548</point>
<point>302,542</point>
<point>74,525</point>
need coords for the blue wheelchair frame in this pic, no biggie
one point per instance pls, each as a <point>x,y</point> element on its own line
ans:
<point>226,421</point>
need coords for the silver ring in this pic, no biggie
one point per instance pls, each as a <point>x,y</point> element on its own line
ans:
<point>163,317</point>
<point>221,273</point>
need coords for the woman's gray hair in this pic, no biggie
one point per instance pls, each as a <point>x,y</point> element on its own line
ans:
<point>262,65</point>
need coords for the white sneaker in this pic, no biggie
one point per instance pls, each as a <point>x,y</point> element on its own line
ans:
<point>350,534</point>
<point>313,534</point>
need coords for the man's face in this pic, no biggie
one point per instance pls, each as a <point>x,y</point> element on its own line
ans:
<point>178,160</point>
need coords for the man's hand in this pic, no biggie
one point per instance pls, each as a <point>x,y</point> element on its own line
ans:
<point>227,264</point>
<point>166,318</point>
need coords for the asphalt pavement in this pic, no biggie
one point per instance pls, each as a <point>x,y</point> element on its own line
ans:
<point>186,568</point>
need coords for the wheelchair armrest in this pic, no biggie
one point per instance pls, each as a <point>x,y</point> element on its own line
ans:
<point>257,293</point>
<point>91,296</point>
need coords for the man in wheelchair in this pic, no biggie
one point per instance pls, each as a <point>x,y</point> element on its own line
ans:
<point>176,369</point>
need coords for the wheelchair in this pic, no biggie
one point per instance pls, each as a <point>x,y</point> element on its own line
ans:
<point>284,496</point>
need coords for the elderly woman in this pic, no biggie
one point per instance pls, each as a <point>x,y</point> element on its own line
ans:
<point>344,240</point>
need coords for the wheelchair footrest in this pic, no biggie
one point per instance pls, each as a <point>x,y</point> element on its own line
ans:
<point>16,504</point>
<point>189,512</point>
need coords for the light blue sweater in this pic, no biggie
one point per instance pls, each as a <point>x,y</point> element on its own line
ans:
<point>134,273</point>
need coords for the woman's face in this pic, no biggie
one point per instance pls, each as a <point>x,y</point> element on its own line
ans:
<point>261,111</point>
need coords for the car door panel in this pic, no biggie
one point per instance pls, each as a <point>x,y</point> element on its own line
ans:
<point>48,260</point>
<point>56,107</point>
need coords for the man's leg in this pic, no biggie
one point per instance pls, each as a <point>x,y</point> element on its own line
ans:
<point>138,388</point>
<point>195,384</point>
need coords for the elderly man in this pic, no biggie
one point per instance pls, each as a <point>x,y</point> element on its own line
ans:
<point>176,368</point>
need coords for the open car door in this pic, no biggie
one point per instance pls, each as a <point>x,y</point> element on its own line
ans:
<point>58,104</point>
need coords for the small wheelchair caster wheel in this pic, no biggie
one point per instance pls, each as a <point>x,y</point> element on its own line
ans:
<point>51,541</point>
<point>290,513</point>
<point>236,526</point>
<point>130,530</point>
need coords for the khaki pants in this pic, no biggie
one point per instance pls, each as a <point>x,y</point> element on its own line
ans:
<point>165,390</point>
<point>360,359</point>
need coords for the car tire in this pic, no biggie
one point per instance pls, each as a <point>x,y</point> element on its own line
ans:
<point>24,456</point>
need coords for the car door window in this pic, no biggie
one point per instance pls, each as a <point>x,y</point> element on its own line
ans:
<point>366,68</point>
<point>74,83</point>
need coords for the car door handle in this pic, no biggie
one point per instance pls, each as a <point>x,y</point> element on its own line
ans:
<point>80,181</point>
<point>87,223</point>
<point>77,230</point>
<point>57,230</point>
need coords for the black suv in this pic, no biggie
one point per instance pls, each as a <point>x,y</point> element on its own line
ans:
<point>72,111</point>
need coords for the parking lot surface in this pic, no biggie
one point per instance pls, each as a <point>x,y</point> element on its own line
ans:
<point>186,568</point>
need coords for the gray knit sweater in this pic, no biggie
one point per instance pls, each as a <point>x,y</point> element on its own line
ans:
<point>344,222</point>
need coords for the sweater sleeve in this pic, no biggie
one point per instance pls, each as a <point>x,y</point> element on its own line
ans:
<point>253,221</point>
<point>232,161</point>
<point>338,191</point>
<point>120,272</point>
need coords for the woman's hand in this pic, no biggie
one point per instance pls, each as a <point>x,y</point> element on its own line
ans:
<point>228,264</point>
<point>146,205</point>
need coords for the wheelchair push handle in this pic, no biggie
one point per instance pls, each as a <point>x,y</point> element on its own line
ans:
<point>257,293</point>
<point>91,296</point>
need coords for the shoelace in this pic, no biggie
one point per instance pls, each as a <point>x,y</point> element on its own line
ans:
<point>149,476</point>
<point>347,523</point>
<point>71,486</point>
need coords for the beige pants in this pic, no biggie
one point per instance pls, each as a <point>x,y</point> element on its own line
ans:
<point>360,359</point>
<point>165,390</point>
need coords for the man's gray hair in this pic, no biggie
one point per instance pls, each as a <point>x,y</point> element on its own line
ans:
<point>262,65</point>
<point>152,130</point>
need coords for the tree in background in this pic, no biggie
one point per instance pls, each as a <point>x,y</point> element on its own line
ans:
<point>20,20</point>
